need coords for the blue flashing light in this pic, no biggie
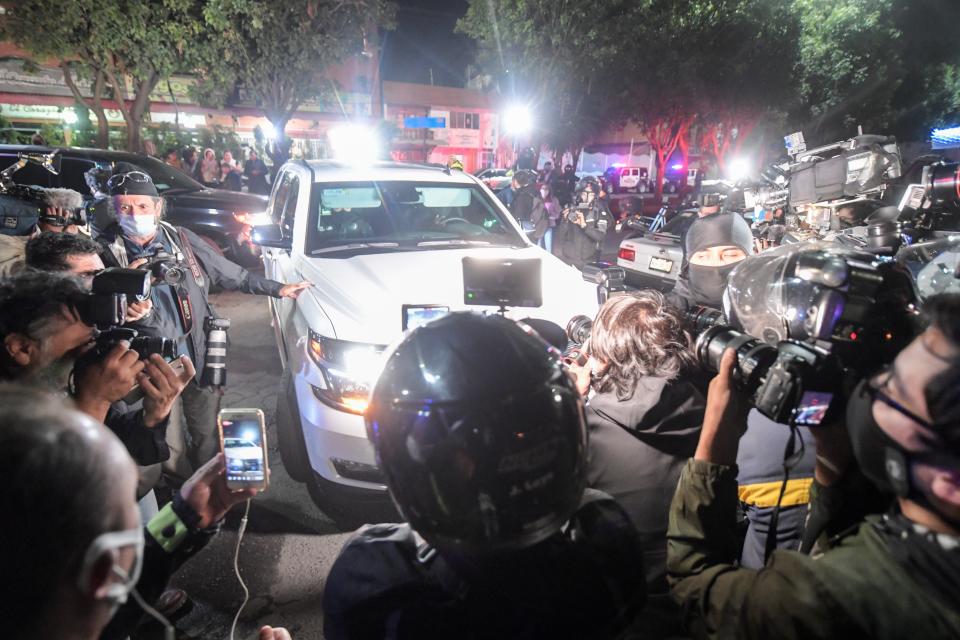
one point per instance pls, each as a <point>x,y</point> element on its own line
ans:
<point>946,138</point>
<point>676,167</point>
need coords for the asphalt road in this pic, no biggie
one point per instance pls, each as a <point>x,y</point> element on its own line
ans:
<point>289,545</point>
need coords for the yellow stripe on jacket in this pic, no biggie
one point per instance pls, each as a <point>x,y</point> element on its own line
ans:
<point>764,494</point>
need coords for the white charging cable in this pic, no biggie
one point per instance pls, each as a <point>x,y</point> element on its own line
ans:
<point>236,569</point>
<point>168,631</point>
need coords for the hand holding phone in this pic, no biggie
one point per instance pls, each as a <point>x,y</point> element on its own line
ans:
<point>243,441</point>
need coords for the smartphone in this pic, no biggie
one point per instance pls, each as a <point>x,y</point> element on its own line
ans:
<point>243,440</point>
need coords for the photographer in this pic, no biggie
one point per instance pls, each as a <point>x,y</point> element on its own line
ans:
<point>643,414</point>
<point>75,557</point>
<point>43,338</point>
<point>78,255</point>
<point>181,311</point>
<point>713,245</point>
<point>893,576</point>
<point>59,217</point>
<point>579,237</point>
<point>502,540</point>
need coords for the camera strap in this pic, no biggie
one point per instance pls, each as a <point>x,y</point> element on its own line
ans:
<point>191,258</point>
<point>791,458</point>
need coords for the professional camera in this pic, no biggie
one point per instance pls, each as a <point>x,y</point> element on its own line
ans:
<point>815,318</point>
<point>165,267</point>
<point>698,319</point>
<point>144,346</point>
<point>112,289</point>
<point>215,362</point>
<point>22,206</point>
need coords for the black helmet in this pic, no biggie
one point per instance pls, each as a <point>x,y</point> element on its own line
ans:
<point>481,434</point>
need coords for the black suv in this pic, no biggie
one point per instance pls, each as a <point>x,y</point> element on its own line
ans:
<point>223,218</point>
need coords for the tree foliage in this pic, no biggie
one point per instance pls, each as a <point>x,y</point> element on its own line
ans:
<point>277,51</point>
<point>112,41</point>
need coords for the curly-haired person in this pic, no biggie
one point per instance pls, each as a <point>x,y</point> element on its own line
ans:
<point>643,414</point>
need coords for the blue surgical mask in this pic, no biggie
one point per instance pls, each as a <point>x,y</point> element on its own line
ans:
<point>138,226</point>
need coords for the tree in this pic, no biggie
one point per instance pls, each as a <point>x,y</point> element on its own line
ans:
<point>112,42</point>
<point>558,57</point>
<point>277,51</point>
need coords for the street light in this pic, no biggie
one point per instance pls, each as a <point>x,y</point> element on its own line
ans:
<point>269,131</point>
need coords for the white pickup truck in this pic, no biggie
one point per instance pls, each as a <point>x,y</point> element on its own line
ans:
<point>384,247</point>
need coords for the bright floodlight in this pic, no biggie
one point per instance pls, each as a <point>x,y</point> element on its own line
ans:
<point>354,144</point>
<point>738,169</point>
<point>269,131</point>
<point>69,117</point>
<point>517,120</point>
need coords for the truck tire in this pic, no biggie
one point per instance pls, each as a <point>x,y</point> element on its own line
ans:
<point>293,448</point>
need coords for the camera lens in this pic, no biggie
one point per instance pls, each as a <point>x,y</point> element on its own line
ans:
<point>753,356</point>
<point>945,182</point>
<point>578,329</point>
<point>145,346</point>
<point>699,319</point>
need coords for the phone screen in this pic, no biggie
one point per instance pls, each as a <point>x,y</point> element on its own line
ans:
<point>813,408</point>
<point>243,440</point>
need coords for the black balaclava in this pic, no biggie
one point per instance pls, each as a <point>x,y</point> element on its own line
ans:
<point>715,230</point>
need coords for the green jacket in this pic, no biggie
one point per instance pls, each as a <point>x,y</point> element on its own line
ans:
<point>853,590</point>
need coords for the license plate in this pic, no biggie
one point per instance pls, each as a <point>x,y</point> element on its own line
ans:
<point>661,264</point>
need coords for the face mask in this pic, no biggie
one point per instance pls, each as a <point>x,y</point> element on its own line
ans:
<point>138,226</point>
<point>709,283</point>
<point>112,543</point>
<point>875,451</point>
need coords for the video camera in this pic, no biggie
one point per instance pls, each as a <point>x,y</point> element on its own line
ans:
<point>22,206</point>
<point>815,318</point>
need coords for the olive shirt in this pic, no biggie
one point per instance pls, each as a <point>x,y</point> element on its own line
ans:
<point>856,589</point>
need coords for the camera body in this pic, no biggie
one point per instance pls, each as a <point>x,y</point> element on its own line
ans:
<point>144,346</point>
<point>112,289</point>
<point>814,319</point>
<point>165,267</point>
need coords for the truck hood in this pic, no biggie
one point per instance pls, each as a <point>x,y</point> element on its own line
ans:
<point>363,295</point>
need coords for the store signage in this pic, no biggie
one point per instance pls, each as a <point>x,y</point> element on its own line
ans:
<point>421,122</point>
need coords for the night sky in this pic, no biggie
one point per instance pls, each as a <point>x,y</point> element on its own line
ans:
<point>424,39</point>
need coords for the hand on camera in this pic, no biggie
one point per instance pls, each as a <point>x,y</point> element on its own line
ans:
<point>161,386</point>
<point>579,369</point>
<point>207,494</point>
<point>580,220</point>
<point>725,417</point>
<point>138,310</point>
<point>101,383</point>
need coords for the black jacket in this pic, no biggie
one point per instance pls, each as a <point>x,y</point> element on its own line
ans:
<point>578,245</point>
<point>637,449</point>
<point>527,205</point>
<point>146,445</point>
<point>165,321</point>
<point>584,582</point>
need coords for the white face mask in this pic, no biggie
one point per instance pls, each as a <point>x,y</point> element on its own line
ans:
<point>138,226</point>
<point>111,542</point>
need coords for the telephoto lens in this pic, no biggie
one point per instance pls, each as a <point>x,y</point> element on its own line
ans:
<point>944,182</point>
<point>578,329</point>
<point>754,357</point>
<point>215,362</point>
<point>146,346</point>
<point>699,319</point>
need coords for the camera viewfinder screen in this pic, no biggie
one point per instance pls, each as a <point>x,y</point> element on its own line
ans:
<point>510,283</point>
<point>243,448</point>
<point>813,408</point>
<point>414,316</point>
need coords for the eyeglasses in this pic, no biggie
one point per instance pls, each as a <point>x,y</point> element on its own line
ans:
<point>875,391</point>
<point>133,176</point>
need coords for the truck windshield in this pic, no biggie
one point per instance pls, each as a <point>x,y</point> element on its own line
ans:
<point>406,215</point>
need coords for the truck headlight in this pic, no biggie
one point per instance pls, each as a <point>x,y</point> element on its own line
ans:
<point>349,370</point>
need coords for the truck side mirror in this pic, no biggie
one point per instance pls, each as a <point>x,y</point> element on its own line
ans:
<point>270,235</point>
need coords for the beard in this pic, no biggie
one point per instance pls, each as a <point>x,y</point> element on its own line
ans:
<point>56,374</point>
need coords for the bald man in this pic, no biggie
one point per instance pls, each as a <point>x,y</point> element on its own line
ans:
<point>77,549</point>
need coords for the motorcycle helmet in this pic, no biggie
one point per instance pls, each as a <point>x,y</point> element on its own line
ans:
<point>480,434</point>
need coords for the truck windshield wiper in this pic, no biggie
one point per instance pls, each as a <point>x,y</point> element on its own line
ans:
<point>453,242</point>
<point>356,245</point>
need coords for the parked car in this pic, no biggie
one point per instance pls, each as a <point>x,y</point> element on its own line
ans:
<point>654,259</point>
<point>627,179</point>
<point>496,179</point>
<point>384,247</point>
<point>222,218</point>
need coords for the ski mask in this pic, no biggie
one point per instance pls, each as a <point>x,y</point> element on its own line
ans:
<point>716,230</point>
